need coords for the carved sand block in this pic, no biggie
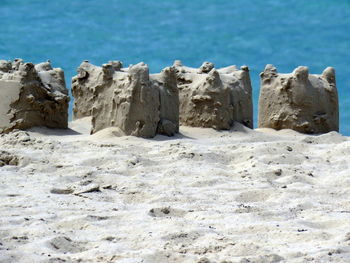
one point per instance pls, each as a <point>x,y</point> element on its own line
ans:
<point>130,99</point>
<point>300,101</point>
<point>214,98</point>
<point>32,95</point>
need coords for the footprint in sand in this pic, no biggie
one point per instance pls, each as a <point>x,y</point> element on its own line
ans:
<point>166,212</point>
<point>253,196</point>
<point>66,245</point>
<point>182,237</point>
<point>273,258</point>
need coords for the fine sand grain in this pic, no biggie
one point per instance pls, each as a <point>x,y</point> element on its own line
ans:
<point>201,196</point>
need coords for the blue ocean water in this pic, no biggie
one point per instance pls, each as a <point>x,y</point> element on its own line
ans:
<point>315,33</point>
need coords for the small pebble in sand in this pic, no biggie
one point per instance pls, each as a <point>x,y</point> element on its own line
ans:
<point>61,191</point>
<point>278,172</point>
<point>289,149</point>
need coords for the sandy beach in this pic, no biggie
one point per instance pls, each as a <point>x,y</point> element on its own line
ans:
<point>175,131</point>
<point>202,196</point>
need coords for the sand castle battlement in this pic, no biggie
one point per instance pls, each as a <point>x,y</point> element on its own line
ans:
<point>300,101</point>
<point>32,95</point>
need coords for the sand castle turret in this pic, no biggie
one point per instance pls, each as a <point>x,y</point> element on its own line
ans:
<point>130,99</point>
<point>32,95</point>
<point>300,101</point>
<point>214,98</point>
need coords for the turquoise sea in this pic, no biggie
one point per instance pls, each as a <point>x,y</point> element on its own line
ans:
<point>286,33</point>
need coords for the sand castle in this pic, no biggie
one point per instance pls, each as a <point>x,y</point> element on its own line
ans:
<point>214,98</point>
<point>32,95</point>
<point>300,101</point>
<point>141,104</point>
<point>131,99</point>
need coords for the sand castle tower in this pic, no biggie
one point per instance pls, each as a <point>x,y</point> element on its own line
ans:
<point>300,101</point>
<point>32,95</point>
<point>214,98</point>
<point>130,98</point>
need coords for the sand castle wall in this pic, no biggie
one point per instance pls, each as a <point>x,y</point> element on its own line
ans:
<point>300,101</point>
<point>165,82</point>
<point>32,95</point>
<point>130,99</point>
<point>214,98</point>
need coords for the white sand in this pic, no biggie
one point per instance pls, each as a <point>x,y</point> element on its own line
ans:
<point>203,196</point>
